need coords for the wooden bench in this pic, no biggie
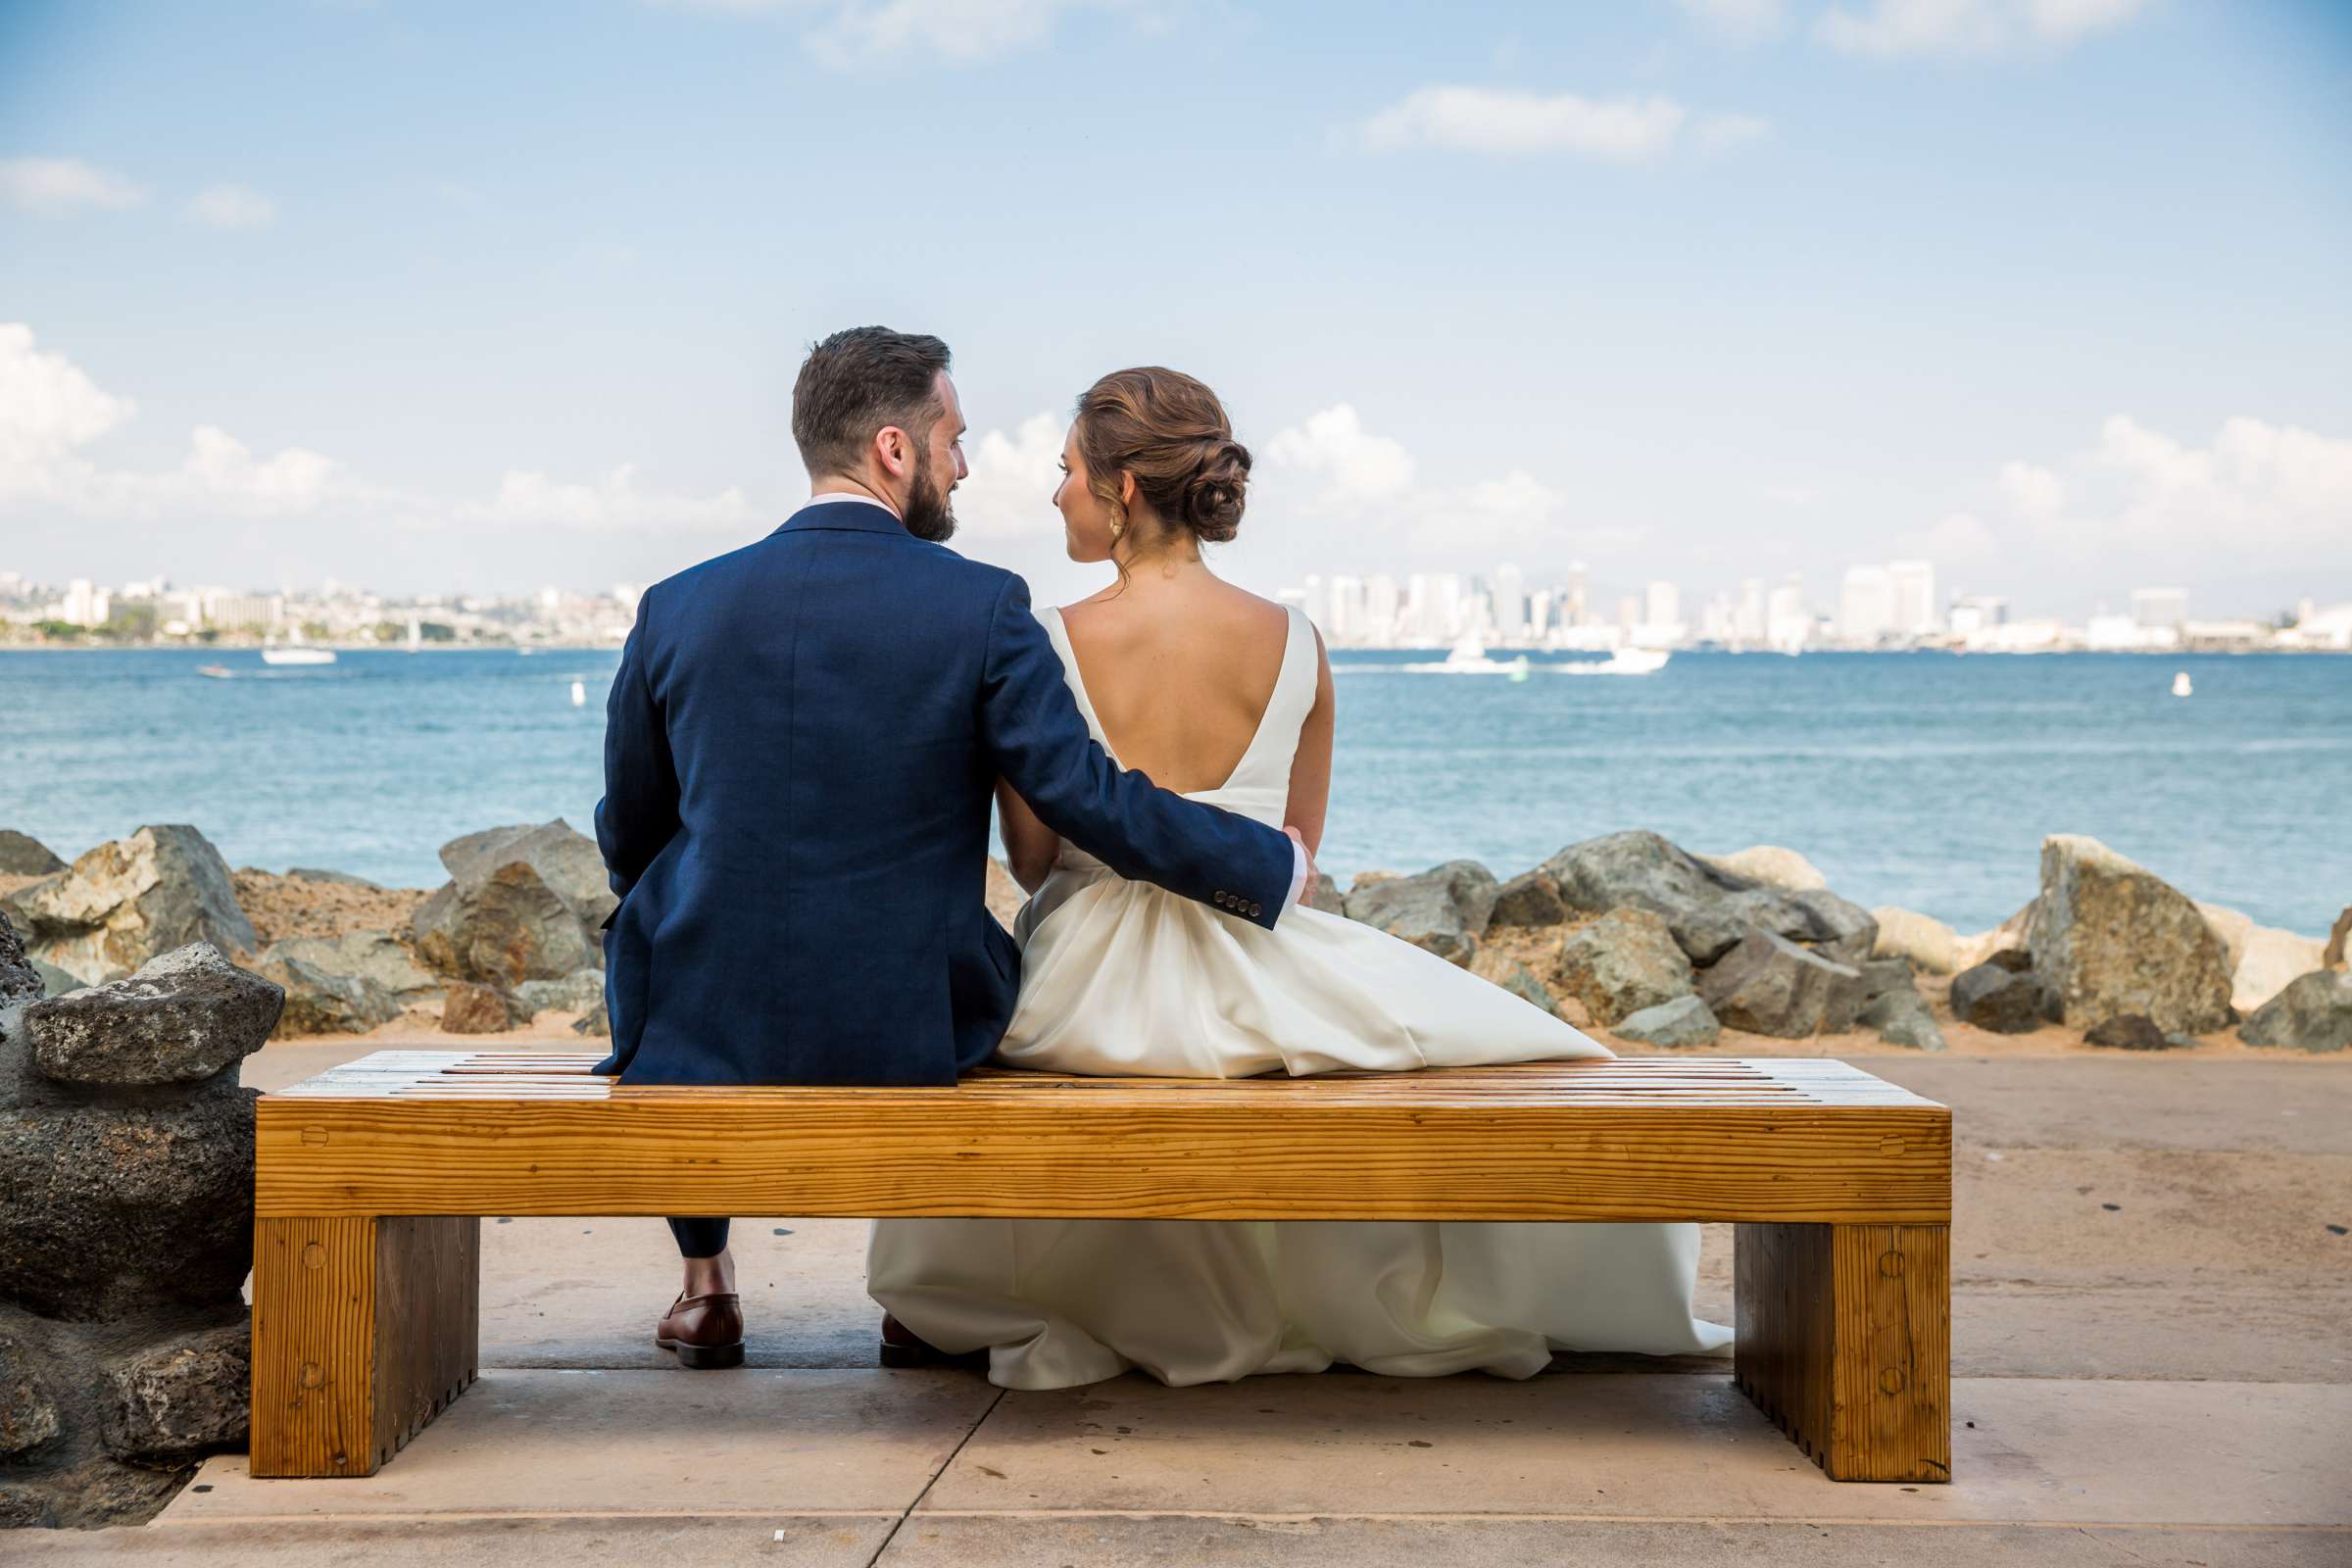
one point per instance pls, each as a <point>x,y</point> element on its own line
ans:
<point>373,1177</point>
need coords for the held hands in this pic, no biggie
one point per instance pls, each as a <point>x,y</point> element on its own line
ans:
<point>1306,889</point>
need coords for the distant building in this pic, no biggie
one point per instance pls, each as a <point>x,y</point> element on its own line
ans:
<point>1786,626</point>
<point>1914,584</point>
<point>1866,605</point>
<point>1510,604</point>
<point>1576,602</point>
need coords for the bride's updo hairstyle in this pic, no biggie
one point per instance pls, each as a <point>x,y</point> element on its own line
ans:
<point>1171,433</point>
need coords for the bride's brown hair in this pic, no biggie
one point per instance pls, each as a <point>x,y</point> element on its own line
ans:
<point>1169,431</point>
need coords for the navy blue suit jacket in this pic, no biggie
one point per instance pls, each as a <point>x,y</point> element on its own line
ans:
<point>800,753</point>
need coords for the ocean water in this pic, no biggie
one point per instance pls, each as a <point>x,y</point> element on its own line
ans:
<point>1920,779</point>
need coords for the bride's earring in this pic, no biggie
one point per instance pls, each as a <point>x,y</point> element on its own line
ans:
<point>1118,522</point>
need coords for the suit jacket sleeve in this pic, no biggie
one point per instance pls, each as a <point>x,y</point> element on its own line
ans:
<point>639,813</point>
<point>1032,727</point>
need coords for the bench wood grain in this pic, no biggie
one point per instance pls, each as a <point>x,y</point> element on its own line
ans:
<point>1827,1170</point>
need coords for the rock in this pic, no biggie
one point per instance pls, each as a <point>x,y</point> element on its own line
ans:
<point>1516,977</point>
<point>1902,1018</point>
<point>1682,1021</point>
<point>2333,957</point>
<point>1708,909</point>
<point>115,1210</point>
<point>1621,963</point>
<point>2230,929</point>
<point>1370,879</point>
<point>2003,999</point>
<point>1530,899</point>
<point>24,855</point>
<point>596,1025</point>
<point>2111,937</point>
<point>582,991</point>
<point>1773,866</point>
<point>56,980</point>
<point>182,1018</point>
<point>2268,958</point>
<point>312,873</point>
<point>566,860</point>
<point>1882,975</point>
<point>1444,909</point>
<point>1327,897</point>
<point>2009,935</point>
<point>2313,1013</point>
<point>1926,940</point>
<point>2127,1031</point>
<point>501,929</point>
<point>320,1002</point>
<point>130,900</point>
<point>467,1008</point>
<point>168,1405</point>
<point>20,975</point>
<point>28,1414</point>
<point>1769,985</point>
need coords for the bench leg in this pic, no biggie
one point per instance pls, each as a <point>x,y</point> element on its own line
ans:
<point>363,1330</point>
<point>1844,1339</point>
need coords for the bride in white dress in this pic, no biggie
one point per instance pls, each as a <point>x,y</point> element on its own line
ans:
<point>1227,698</point>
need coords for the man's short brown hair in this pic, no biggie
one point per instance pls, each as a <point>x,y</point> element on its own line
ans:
<point>858,381</point>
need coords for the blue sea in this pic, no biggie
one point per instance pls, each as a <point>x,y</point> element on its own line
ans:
<point>1921,779</point>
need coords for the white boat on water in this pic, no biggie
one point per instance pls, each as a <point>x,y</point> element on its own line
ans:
<point>1633,661</point>
<point>1469,657</point>
<point>297,651</point>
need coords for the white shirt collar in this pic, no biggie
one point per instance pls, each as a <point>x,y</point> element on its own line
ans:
<point>825,496</point>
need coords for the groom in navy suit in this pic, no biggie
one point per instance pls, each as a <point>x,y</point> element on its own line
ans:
<point>799,753</point>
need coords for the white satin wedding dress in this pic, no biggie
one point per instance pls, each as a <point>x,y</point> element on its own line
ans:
<point>1123,977</point>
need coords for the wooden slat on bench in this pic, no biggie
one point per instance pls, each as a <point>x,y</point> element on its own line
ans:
<point>536,1133</point>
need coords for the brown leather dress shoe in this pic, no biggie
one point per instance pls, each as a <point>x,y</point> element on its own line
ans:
<point>901,1346</point>
<point>707,1331</point>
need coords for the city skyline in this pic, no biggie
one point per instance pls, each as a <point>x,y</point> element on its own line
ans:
<point>1536,284</point>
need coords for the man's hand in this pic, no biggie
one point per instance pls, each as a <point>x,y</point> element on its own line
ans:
<point>1306,889</point>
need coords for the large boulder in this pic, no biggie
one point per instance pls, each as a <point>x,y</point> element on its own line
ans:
<point>468,1008</point>
<point>1902,1017</point>
<point>521,904</point>
<point>1444,909</point>
<point>131,900</point>
<point>1769,985</point>
<point>1708,909</point>
<point>1773,866</point>
<point>28,1412</point>
<point>2266,960</point>
<point>2339,936</point>
<point>2007,937</point>
<point>182,1018</point>
<point>21,854</point>
<point>581,992</point>
<point>119,1210</point>
<point>1682,1021</point>
<point>2004,998</point>
<point>1530,899</point>
<point>1930,944</point>
<point>345,984</point>
<point>2313,1013</point>
<point>2230,927</point>
<point>2127,1031</point>
<point>2111,937</point>
<point>1621,963</point>
<point>170,1404</point>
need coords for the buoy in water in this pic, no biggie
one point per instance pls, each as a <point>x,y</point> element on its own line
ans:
<point>579,694</point>
<point>2180,685</point>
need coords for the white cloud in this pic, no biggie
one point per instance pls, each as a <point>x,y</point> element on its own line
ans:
<point>1009,491</point>
<point>232,206</point>
<point>1502,120</point>
<point>59,184</point>
<point>2257,492</point>
<point>847,32</point>
<point>2033,490</point>
<point>1350,463</point>
<point>1742,21</point>
<point>50,411</point>
<point>1957,540</point>
<point>1896,28</point>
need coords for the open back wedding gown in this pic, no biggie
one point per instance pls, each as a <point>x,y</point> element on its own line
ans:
<point>1123,977</point>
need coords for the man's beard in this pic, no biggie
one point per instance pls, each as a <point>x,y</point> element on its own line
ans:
<point>929,514</point>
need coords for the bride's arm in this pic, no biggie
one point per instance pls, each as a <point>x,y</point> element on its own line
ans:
<point>1311,769</point>
<point>1030,846</point>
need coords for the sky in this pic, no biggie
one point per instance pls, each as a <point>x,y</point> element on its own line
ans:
<point>436,296</point>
